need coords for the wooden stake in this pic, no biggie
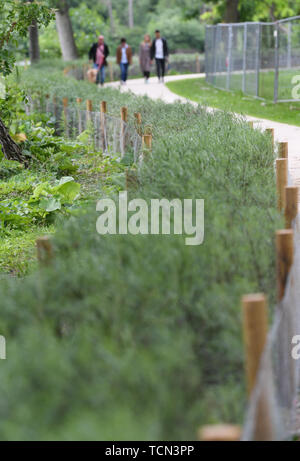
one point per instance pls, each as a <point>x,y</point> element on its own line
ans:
<point>255,325</point>
<point>103,107</point>
<point>285,257</point>
<point>282,180</point>
<point>89,109</point>
<point>198,69</point>
<point>251,124</point>
<point>138,121</point>
<point>44,250</point>
<point>147,142</point>
<point>124,114</point>
<point>220,433</point>
<point>283,150</point>
<point>291,205</point>
<point>255,322</point>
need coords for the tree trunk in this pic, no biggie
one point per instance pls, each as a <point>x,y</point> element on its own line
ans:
<point>34,47</point>
<point>111,16</point>
<point>10,149</point>
<point>130,14</point>
<point>65,33</point>
<point>231,11</point>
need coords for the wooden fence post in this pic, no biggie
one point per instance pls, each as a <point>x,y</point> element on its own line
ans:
<point>285,257</point>
<point>283,150</point>
<point>291,205</point>
<point>138,122</point>
<point>147,142</point>
<point>251,123</point>
<point>44,250</point>
<point>281,179</point>
<point>255,325</point>
<point>220,433</point>
<point>89,109</point>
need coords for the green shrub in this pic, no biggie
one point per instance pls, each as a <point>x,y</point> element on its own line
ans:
<point>139,337</point>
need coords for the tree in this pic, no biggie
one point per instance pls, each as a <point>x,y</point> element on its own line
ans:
<point>111,16</point>
<point>65,31</point>
<point>15,19</point>
<point>231,11</point>
<point>34,47</point>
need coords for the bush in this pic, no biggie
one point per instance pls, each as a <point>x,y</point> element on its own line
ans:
<point>139,337</point>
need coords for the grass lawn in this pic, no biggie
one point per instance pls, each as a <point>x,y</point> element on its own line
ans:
<point>200,91</point>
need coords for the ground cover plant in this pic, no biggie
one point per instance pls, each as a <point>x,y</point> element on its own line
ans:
<point>139,337</point>
<point>199,91</point>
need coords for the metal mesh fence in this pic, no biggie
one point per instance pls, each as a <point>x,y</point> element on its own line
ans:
<point>259,59</point>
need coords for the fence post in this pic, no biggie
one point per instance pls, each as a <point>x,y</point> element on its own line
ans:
<point>251,124</point>
<point>281,179</point>
<point>271,133</point>
<point>220,433</point>
<point>147,142</point>
<point>257,59</point>
<point>44,250</point>
<point>291,205</point>
<point>285,257</point>
<point>283,150</point>
<point>138,122</point>
<point>245,57</point>
<point>89,109</point>
<point>255,323</point>
<point>79,101</point>
<point>229,56</point>
<point>65,108</point>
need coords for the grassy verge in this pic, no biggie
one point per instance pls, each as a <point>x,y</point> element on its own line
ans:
<point>199,91</point>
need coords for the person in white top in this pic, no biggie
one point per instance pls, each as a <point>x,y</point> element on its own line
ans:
<point>160,52</point>
<point>124,59</point>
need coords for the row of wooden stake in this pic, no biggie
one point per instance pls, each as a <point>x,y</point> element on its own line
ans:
<point>43,244</point>
<point>255,309</point>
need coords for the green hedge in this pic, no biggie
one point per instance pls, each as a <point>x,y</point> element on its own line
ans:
<point>140,337</point>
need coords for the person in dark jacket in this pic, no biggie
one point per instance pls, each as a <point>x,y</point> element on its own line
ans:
<point>160,52</point>
<point>98,55</point>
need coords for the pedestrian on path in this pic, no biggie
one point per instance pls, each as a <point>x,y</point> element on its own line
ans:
<point>98,55</point>
<point>145,57</point>
<point>124,59</point>
<point>160,52</point>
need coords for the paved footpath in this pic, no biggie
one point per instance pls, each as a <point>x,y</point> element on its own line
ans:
<point>283,132</point>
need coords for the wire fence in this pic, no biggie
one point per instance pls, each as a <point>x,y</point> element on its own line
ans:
<point>260,59</point>
<point>109,134</point>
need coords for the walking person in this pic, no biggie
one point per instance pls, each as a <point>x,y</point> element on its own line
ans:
<point>98,54</point>
<point>124,59</point>
<point>145,57</point>
<point>160,52</point>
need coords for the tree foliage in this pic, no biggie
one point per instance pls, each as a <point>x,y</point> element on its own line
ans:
<point>16,16</point>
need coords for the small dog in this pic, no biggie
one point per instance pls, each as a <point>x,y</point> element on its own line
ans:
<point>92,75</point>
